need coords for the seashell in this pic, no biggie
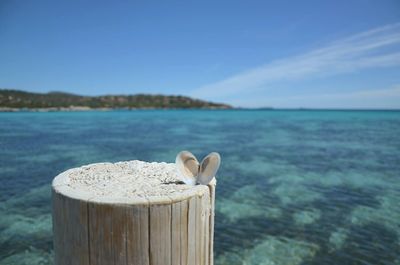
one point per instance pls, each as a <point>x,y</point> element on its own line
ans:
<point>188,167</point>
<point>208,168</point>
<point>192,173</point>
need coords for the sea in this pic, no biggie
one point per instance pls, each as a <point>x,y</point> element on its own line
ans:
<point>295,187</point>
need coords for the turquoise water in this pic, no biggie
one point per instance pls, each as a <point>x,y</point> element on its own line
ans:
<point>295,187</point>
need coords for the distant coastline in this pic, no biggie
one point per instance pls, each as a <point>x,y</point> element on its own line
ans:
<point>22,101</point>
<point>18,100</point>
<point>79,109</point>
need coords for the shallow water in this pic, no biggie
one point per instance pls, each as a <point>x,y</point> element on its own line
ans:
<point>295,187</point>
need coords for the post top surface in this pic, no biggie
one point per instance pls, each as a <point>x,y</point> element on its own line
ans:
<point>129,182</point>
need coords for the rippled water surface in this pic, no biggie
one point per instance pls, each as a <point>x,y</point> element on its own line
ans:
<point>295,187</point>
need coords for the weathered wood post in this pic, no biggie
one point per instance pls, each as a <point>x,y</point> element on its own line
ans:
<point>131,213</point>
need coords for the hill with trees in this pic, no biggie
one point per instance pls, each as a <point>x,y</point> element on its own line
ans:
<point>17,99</point>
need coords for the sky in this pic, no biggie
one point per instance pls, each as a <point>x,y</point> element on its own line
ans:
<point>282,54</point>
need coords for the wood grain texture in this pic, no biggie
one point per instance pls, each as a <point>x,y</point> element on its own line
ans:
<point>70,230</point>
<point>176,233</point>
<point>160,235</point>
<point>206,223</point>
<point>184,231</point>
<point>87,232</point>
<point>107,234</point>
<point>137,239</point>
<point>191,257</point>
<point>211,222</point>
<point>199,230</point>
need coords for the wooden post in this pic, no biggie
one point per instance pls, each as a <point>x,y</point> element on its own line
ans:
<point>131,213</point>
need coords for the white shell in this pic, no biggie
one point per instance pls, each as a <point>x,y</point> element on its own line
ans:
<point>188,167</point>
<point>208,168</point>
<point>192,173</point>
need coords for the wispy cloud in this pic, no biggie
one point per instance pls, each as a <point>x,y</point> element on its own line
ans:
<point>382,98</point>
<point>374,48</point>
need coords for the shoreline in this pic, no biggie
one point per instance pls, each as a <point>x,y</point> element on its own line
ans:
<point>88,109</point>
<point>73,109</point>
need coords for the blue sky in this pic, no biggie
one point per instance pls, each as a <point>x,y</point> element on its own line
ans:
<point>315,54</point>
